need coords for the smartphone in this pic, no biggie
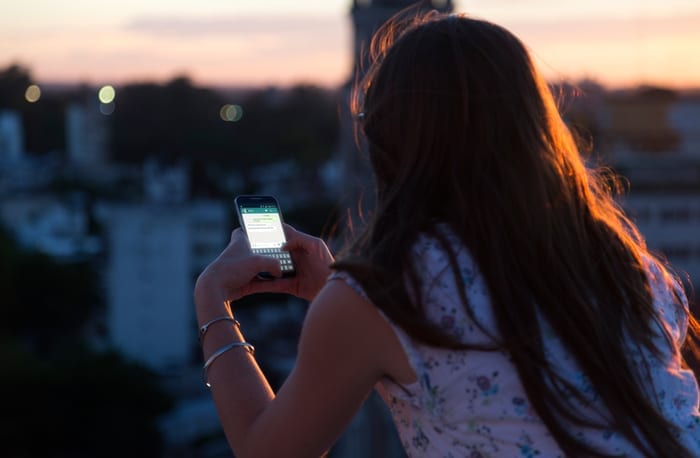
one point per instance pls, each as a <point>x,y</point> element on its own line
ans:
<point>261,220</point>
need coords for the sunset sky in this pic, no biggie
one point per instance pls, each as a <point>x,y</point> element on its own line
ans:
<point>278,42</point>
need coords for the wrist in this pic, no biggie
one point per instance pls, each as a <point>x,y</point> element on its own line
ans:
<point>210,304</point>
<point>209,287</point>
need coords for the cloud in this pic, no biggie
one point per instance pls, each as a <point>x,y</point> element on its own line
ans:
<point>266,47</point>
<point>618,51</point>
<point>604,29</point>
<point>232,26</point>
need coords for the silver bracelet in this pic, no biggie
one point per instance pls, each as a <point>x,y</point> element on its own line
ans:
<point>219,352</point>
<point>205,327</point>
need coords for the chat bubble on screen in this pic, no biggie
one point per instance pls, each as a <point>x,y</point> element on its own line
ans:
<point>264,230</point>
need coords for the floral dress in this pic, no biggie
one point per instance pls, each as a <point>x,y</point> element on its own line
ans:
<point>469,403</point>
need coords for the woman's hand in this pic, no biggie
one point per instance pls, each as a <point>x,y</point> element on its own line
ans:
<point>234,273</point>
<point>312,261</point>
<point>230,275</point>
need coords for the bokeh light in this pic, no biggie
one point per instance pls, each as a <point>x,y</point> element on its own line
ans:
<point>231,113</point>
<point>33,93</point>
<point>106,94</point>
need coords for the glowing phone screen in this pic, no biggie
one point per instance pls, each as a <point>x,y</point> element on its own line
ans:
<point>263,226</point>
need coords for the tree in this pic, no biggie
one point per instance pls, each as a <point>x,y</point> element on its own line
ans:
<point>44,302</point>
<point>78,404</point>
<point>59,397</point>
<point>301,122</point>
<point>14,81</point>
<point>178,121</point>
<point>172,122</point>
<point>43,121</point>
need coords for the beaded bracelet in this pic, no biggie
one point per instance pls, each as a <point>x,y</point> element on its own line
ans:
<point>219,352</point>
<point>205,327</point>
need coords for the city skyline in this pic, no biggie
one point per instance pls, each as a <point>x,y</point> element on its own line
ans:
<point>277,42</point>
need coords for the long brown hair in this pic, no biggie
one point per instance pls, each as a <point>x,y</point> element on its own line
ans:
<point>462,130</point>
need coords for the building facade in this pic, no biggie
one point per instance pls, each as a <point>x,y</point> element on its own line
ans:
<point>154,253</point>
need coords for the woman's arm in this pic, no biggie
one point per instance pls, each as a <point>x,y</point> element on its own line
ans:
<point>345,347</point>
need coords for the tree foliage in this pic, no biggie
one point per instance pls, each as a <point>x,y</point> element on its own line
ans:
<point>14,81</point>
<point>77,404</point>
<point>301,124</point>
<point>43,121</point>
<point>172,122</point>
<point>59,397</point>
<point>179,121</point>
<point>44,301</point>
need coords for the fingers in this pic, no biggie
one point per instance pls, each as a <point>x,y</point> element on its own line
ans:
<point>297,239</point>
<point>292,236</point>
<point>266,264</point>
<point>239,257</point>
<point>238,234</point>
<point>279,285</point>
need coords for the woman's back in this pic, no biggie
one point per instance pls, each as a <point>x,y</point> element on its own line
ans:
<point>462,129</point>
<point>472,402</point>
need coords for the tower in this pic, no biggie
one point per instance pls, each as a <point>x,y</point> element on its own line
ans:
<point>368,15</point>
<point>356,193</point>
<point>371,433</point>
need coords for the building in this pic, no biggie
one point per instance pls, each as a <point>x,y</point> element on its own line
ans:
<point>653,140</point>
<point>684,117</point>
<point>86,134</point>
<point>670,222</point>
<point>664,202</point>
<point>56,226</point>
<point>154,253</point>
<point>11,137</point>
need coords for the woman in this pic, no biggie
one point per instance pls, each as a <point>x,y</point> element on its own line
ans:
<point>499,300</point>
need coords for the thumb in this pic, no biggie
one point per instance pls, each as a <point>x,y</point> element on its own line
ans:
<point>266,264</point>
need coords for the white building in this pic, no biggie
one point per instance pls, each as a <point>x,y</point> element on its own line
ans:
<point>210,231</point>
<point>55,226</point>
<point>684,118</point>
<point>154,253</point>
<point>165,184</point>
<point>86,135</point>
<point>664,197</point>
<point>11,137</point>
<point>670,223</point>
